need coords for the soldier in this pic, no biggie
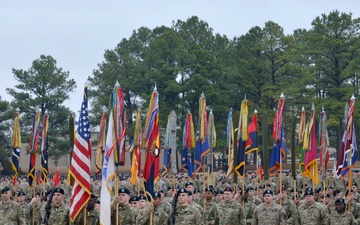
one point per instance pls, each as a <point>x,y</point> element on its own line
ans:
<point>354,187</point>
<point>354,206</point>
<point>97,205</point>
<point>330,208</point>
<point>197,206</point>
<point>159,216</point>
<point>230,211</point>
<point>268,212</point>
<point>248,208</point>
<point>134,202</point>
<point>34,204</point>
<point>60,212</point>
<point>92,216</point>
<point>288,205</point>
<point>209,206</point>
<point>222,185</point>
<point>186,214</point>
<point>219,196</point>
<point>251,196</point>
<point>341,216</point>
<point>311,212</point>
<point>127,214</point>
<point>163,204</point>
<point>10,211</point>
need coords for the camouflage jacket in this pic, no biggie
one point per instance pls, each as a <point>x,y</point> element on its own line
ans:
<point>126,216</point>
<point>92,218</point>
<point>11,214</point>
<point>269,215</point>
<point>230,213</point>
<point>313,214</point>
<point>59,215</point>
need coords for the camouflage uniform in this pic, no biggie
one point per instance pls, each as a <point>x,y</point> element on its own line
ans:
<point>59,215</point>
<point>166,207</point>
<point>210,212</point>
<point>127,215</point>
<point>291,211</point>
<point>269,215</point>
<point>159,216</point>
<point>28,211</point>
<point>92,218</point>
<point>230,213</point>
<point>186,215</point>
<point>345,218</point>
<point>314,213</point>
<point>11,214</point>
<point>248,210</point>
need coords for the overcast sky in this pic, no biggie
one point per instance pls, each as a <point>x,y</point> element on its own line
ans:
<point>76,33</point>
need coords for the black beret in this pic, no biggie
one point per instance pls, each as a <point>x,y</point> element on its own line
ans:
<point>297,196</point>
<point>134,199</point>
<point>171,187</point>
<point>97,201</point>
<point>142,197</point>
<point>156,195</point>
<point>321,189</point>
<point>161,191</point>
<point>141,192</point>
<point>20,193</point>
<point>5,189</point>
<point>92,196</point>
<point>124,191</point>
<point>330,187</point>
<point>219,192</point>
<point>327,196</point>
<point>183,190</point>
<point>340,200</point>
<point>249,189</point>
<point>188,184</point>
<point>208,189</point>
<point>196,191</point>
<point>354,184</point>
<point>336,192</point>
<point>309,192</point>
<point>267,192</point>
<point>59,190</point>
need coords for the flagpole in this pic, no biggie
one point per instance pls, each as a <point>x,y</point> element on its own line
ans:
<point>281,139</point>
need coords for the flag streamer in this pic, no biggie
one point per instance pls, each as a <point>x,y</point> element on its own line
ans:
<point>16,146</point>
<point>242,137</point>
<point>34,139</point>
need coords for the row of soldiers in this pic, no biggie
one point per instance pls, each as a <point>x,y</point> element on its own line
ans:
<point>211,201</point>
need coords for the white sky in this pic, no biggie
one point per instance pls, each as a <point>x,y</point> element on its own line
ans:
<point>76,33</point>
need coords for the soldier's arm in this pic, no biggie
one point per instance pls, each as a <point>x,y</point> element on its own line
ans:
<point>254,217</point>
<point>324,216</point>
<point>21,216</point>
<point>242,217</point>
<point>282,216</point>
<point>211,218</point>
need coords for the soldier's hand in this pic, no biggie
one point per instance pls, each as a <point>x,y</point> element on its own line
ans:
<point>116,200</point>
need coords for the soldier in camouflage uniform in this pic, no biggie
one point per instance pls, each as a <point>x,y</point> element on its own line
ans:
<point>289,206</point>
<point>269,212</point>
<point>33,205</point>
<point>209,206</point>
<point>60,212</point>
<point>92,216</point>
<point>186,214</point>
<point>127,214</point>
<point>230,212</point>
<point>311,212</point>
<point>10,211</point>
<point>354,206</point>
<point>248,207</point>
<point>160,217</point>
<point>222,185</point>
<point>341,215</point>
<point>354,187</point>
<point>251,196</point>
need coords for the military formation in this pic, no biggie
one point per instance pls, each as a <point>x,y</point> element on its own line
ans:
<point>178,199</point>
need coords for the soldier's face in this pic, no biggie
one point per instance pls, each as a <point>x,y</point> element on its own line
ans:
<point>156,202</point>
<point>97,207</point>
<point>134,204</point>
<point>228,196</point>
<point>190,199</point>
<point>340,207</point>
<point>58,198</point>
<point>6,195</point>
<point>142,203</point>
<point>182,198</point>
<point>124,199</point>
<point>190,188</point>
<point>21,198</point>
<point>250,193</point>
<point>208,195</point>
<point>354,188</point>
<point>309,199</point>
<point>268,198</point>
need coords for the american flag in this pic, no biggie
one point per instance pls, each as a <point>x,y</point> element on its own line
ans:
<point>80,163</point>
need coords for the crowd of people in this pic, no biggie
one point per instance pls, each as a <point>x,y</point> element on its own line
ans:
<point>179,199</point>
